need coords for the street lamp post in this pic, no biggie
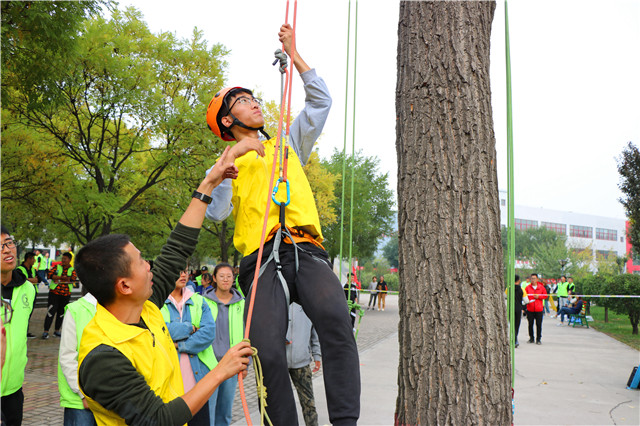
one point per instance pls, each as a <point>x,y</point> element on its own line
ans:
<point>563,263</point>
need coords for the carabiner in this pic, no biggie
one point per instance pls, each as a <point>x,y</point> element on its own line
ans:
<point>275,191</point>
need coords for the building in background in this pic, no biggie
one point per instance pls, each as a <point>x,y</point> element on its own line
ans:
<point>606,236</point>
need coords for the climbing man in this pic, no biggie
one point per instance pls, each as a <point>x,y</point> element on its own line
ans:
<point>296,266</point>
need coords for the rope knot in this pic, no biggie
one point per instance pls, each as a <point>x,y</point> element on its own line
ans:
<point>282,58</point>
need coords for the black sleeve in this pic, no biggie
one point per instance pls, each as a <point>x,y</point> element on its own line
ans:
<point>109,378</point>
<point>172,259</point>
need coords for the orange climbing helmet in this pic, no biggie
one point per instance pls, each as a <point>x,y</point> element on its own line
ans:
<point>218,108</point>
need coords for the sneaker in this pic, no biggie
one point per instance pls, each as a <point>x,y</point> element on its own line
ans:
<point>560,323</point>
<point>530,341</point>
<point>31,336</point>
<point>383,309</point>
<point>45,335</point>
<point>517,344</point>
<point>538,342</point>
<point>57,334</point>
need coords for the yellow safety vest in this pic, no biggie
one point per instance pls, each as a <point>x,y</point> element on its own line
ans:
<point>250,191</point>
<point>156,362</point>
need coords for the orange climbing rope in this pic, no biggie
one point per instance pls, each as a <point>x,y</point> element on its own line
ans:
<point>286,96</point>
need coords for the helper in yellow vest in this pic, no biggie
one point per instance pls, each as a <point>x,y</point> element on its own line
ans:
<point>227,307</point>
<point>62,279</point>
<point>77,316</point>
<point>300,273</point>
<point>17,303</point>
<point>192,329</point>
<point>128,367</point>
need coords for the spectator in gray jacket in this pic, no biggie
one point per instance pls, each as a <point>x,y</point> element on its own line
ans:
<point>303,347</point>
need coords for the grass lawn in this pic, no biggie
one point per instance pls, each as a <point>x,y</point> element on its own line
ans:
<point>618,327</point>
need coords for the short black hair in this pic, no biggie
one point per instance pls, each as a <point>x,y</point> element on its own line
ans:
<point>517,278</point>
<point>219,266</point>
<point>67,254</point>
<point>534,273</point>
<point>4,230</point>
<point>100,263</point>
<point>28,255</point>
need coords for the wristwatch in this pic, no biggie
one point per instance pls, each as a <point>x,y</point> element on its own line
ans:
<point>202,197</point>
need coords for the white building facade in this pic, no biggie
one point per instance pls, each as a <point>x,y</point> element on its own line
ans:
<point>605,235</point>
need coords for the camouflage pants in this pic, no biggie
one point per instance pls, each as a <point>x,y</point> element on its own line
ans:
<point>301,378</point>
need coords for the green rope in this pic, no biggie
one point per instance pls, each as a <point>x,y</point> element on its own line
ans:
<point>511,272</point>
<point>353,141</point>
<point>344,149</point>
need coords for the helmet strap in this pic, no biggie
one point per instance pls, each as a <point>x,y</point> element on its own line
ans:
<point>241,124</point>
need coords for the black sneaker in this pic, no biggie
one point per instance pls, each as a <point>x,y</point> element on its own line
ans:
<point>57,334</point>
<point>538,342</point>
<point>517,344</point>
<point>530,341</point>
<point>45,335</point>
<point>31,336</point>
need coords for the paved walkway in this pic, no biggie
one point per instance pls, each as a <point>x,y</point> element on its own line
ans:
<point>576,377</point>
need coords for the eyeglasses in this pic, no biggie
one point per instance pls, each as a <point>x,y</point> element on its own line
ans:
<point>7,311</point>
<point>9,244</point>
<point>245,100</point>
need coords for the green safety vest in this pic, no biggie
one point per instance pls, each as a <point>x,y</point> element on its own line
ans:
<point>24,271</point>
<point>59,270</point>
<point>82,311</point>
<point>16,358</point>
<point>44,263</point>
<point>199,279</point>
<point>563,290</point>
<point>206,356</point>
<point>236,320</point>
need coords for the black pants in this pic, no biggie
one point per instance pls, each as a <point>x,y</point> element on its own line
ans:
<point>537,317</point>
<point>517,316</point>
<point>55,306</point>
<point>372,298</point>
<point>12,408</point>
<point>318,290</point>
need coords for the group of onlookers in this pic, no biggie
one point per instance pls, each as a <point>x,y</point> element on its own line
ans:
<point>203,320</point>
<point>532,298</point>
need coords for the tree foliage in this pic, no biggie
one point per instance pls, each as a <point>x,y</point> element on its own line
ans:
<point>629,169</point>
<point>390,250</point>
<point>372,206</point>
<point>622,284</point>
<point>127,125</point>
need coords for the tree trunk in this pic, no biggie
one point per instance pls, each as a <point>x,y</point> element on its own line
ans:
<point>635,318</point>
<point>454,351</point>
<point>606,314</point>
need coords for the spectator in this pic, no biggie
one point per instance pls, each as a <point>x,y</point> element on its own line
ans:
<point>29,271</point>
<point>536,293</point>
<point>192,329</point>
<point>42,266</point>
<point>547,287</point>
<point>351,293</point>
<point>128,366</point>
<point>373,292</point>
<point>563,292</point>
<point>203,270</point>
<point>382,292</point>
<point>227,307</point>
<point>552,290</point>
<point>77,316</point>
<point>62,278</point>
<point>518,296</point>
<point>573,309</point>
<point>303,347</point>
<point>17,303</point>
<point>207,281</point>
<point>571,287</point>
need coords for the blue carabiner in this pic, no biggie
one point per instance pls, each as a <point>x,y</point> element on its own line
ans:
<point>275,191</point>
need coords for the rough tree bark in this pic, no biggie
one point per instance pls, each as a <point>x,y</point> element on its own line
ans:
<point>454,361</point>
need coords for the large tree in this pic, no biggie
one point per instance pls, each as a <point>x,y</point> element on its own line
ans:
<point>629,169</point>
<point>454,352</point>
<point>372,200</point>
<point>128,119</point>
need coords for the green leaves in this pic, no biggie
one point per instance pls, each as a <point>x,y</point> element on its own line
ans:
<point>629,169</point>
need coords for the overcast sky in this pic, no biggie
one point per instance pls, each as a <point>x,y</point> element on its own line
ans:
<point>575,74</point>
